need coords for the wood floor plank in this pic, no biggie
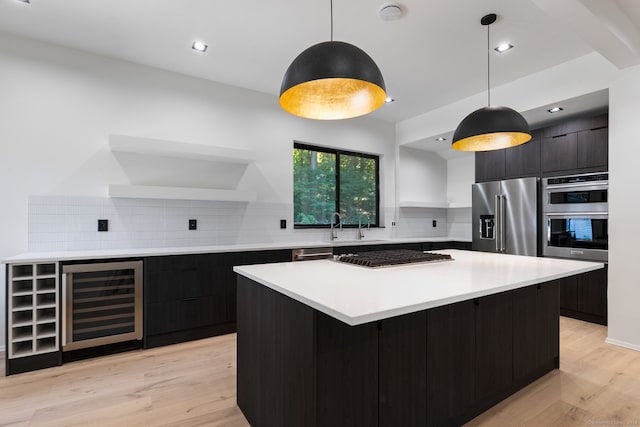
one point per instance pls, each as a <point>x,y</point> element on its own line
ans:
<point>194,384</point>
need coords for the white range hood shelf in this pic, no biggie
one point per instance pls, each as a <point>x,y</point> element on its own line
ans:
<point>160,169</point>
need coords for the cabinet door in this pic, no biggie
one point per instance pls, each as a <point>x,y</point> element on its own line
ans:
<point>547,324</point>
<point>524,331</point>
<point>569,293</point>
<point>523,160</point>
<point>494,346</point>
<point>402,358</point>
<point>593,148</point>
<point>560,152</point>
<point>346,373</point>
<point>451,331</point>
<point>592,293</point>
<point>490,165</point>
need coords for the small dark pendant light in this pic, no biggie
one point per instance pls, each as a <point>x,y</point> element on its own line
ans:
<point>332,80</point>
<point>490,127</point>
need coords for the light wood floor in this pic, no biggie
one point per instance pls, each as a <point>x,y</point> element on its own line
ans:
<point>193,384</point>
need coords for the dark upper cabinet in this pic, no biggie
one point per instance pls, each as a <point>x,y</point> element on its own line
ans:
<point>572,146</point>
<point>560,152</point>
<point>490,165</point>
<point>515,162</point>
<point>578,145</point>
<point>524,160</point>
<point>593,148</point>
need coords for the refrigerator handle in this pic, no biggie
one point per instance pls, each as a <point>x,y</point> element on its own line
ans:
<point>503,220</point>
<point>498,225</point>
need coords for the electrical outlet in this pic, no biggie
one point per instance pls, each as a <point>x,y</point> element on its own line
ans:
<point>193,224</point>
<point>434,223</point>
<point>393,223</point>
<point>283,223</point>
<point>103,225</point>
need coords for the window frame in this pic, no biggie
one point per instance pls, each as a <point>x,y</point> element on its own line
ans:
<point>338,152</point>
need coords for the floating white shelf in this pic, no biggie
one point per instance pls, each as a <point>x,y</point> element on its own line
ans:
<point>434,205</point>
<point>180,193</point>
<point>163,148</point>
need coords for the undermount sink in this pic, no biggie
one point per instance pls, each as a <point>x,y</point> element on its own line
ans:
<point>350,242</point>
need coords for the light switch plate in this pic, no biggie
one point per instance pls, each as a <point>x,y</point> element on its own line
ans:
<point>103,225</point>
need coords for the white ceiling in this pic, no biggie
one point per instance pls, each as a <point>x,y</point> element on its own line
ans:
<point>434,55</point>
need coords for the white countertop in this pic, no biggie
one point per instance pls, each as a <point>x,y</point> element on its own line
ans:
<point>144,252</point>
<point>357,295</point>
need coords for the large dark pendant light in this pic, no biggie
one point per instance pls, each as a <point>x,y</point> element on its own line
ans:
<point>332,80</point>
<point>491,127</point>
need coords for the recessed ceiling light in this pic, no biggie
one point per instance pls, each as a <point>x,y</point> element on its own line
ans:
<point>389,99</point>
<point>390,11</point>
<point>503,47</point>
<point>441,139</point>
<point>555,109</point>
<point>199,46</point>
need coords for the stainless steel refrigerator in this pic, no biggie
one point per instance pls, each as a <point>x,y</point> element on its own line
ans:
<point>505,216</point>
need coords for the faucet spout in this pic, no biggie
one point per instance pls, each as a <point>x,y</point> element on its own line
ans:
<point>360,234</point>
<point>334,233</point>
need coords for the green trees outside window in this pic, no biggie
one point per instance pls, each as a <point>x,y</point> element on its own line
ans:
<point>327,181</point>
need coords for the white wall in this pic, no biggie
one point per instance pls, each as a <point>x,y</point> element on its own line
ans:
<point>587,74</point>
<point>422,176</point>
<point>461,174</point>
<point>58,106</point>
<point>624,209</point>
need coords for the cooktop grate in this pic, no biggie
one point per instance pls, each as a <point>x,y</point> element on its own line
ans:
<point>375,259</point>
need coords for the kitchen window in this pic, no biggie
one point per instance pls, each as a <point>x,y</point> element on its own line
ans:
<point>327,181</point>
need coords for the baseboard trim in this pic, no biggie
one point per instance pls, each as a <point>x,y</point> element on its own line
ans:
<point>622,344</point>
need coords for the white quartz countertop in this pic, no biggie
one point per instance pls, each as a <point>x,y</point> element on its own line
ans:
<point>357,295</point>
<point>144,252</point>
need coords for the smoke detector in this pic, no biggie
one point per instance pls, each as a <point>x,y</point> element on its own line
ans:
<point>390,11</point>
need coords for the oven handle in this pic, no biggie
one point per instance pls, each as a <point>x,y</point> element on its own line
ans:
<point>603,184</point>
<point>594,214</point>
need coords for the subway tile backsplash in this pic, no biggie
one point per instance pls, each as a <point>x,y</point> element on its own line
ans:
<point>59,223</point>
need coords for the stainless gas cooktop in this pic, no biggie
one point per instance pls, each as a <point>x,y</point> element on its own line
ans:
<point>376,259</point>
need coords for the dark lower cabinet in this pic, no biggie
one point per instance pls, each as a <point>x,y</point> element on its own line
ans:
<point>193,296</point>
<point>436,367</point>
<point>584,296</point>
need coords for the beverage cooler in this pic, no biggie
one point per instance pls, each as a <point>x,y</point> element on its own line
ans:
<point>102,304</point>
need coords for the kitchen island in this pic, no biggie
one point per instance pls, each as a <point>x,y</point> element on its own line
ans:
<point>322,343</point>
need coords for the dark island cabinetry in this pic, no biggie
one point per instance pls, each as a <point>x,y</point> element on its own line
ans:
<point>436,367</point>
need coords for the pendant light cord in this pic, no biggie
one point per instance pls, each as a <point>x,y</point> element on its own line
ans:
<point>488,70</point>
<point>331,20</point>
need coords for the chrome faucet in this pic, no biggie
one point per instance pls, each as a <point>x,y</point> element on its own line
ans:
<point>360,234</point>
<point>334,233</point>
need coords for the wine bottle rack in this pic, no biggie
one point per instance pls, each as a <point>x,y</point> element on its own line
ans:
<point>33,309</point>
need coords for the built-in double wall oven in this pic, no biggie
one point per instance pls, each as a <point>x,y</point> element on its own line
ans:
<point>576,216</point>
